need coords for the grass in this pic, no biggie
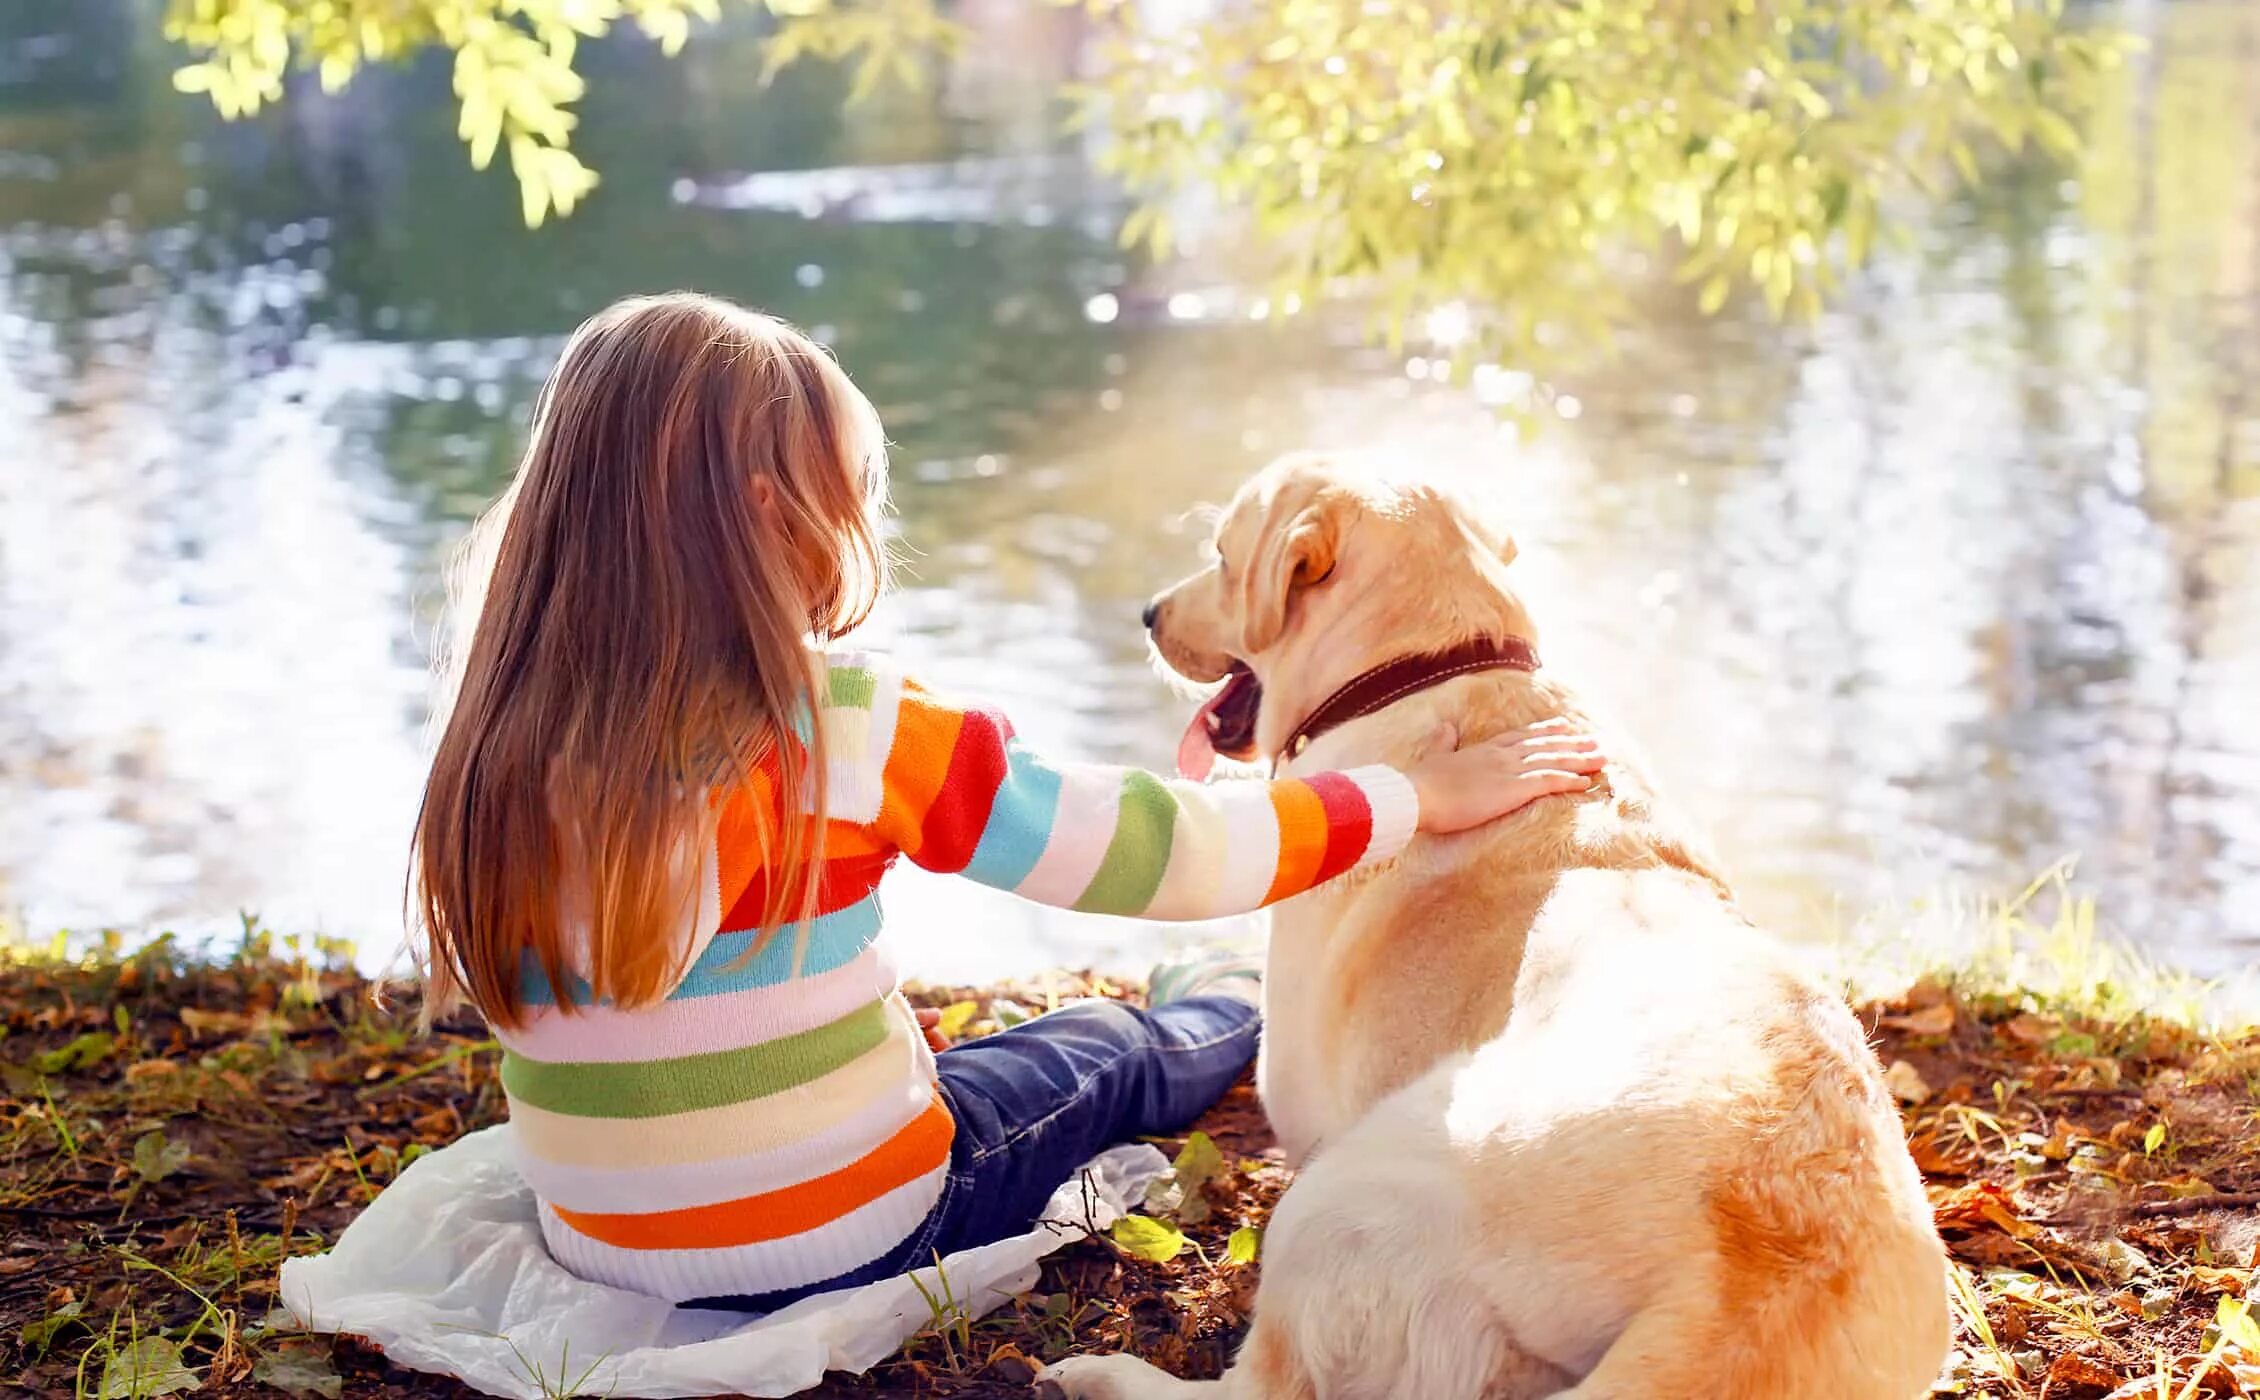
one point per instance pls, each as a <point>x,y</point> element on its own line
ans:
<point>172,1127</point>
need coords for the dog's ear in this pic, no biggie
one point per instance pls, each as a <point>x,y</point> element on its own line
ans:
<point>1477,524</point>
<point>1295,548</point>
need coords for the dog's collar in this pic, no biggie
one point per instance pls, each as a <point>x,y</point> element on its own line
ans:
<point>1392,681</point>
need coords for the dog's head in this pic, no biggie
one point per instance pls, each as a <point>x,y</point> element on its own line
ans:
<point>1317,572</point>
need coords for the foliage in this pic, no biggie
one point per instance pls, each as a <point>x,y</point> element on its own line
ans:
<point>513,59</point>
<point>1503,154</point>
<point>1485,164</point>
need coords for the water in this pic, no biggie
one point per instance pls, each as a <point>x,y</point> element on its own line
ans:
<point>1960,582</point>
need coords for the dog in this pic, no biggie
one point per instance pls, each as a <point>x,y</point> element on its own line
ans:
<point>1565,1123</point>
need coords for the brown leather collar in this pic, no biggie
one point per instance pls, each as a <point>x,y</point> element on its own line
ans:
<point>1392,681</point>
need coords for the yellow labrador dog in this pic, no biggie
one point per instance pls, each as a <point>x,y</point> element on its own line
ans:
<point>1566,1123</point>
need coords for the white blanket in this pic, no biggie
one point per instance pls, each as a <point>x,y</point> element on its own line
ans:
<point>446,1272</point>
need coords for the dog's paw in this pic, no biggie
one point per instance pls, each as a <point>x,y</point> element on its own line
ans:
<point>1101,1378</point>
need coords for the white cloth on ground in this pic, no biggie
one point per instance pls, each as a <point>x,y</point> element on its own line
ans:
<point>446,1272</point>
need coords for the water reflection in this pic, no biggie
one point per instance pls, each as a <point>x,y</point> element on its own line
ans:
<point>1955,583</point>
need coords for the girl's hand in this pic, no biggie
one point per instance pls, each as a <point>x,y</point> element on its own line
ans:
<point>1460,788</point>
<point>930,1021</point>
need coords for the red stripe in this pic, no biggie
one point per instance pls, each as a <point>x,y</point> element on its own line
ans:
<point>1349,823</point>
<point>841,882</point>
<point>960,812</point>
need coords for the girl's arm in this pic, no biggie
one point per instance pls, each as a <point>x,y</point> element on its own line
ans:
<point>959,794</point>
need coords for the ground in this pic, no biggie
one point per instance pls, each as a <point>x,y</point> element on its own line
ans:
<point>171,1129</point>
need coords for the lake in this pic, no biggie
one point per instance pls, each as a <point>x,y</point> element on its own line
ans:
<point>1959,582</point>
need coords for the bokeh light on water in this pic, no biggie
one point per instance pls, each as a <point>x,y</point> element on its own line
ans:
<point>1955,584</point>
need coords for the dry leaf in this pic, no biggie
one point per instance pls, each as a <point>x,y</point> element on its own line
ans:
<point>2028,1029</point>
<point>1928,1020</point>
<point>1906,1083</point>
<point>213,1022</point>
<point>2073,1372</point>
<point>1979,1204</point>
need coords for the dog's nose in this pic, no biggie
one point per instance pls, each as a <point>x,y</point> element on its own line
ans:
<point>1153,610</point>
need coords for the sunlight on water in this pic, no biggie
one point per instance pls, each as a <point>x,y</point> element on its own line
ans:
<point>1956,583</point>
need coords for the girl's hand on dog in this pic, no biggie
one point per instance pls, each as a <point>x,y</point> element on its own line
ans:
<point>1460,788</point>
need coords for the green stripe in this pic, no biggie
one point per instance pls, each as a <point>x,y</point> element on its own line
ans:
<point>1139,853</point>
<point>655,1088</point>
<point>853,687</point>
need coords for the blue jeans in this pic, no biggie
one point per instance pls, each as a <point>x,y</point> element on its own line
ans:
<point>1035,1102</point>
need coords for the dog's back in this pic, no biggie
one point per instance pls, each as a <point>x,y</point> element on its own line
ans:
<point>1656,1133</point>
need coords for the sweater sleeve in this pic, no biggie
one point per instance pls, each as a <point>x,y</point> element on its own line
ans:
<point>960,794</point>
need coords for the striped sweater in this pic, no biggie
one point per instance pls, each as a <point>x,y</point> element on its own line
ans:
<point>774,1122</point>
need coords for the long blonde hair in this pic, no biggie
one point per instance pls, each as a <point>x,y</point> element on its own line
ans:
<point>697,505</point>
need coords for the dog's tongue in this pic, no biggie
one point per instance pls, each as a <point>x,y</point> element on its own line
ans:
<point>1196,752</point>
<point>1225,724</point>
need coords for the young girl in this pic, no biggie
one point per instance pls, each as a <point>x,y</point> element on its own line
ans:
<point>650,847</point>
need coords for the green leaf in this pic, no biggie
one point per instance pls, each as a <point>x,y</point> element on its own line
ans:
<point>2154,1139</point>
<point>154,1159</point>
<point>1244,1244</point>
<point>2234,1318</point>
<point>955,1018</point>
<point>150,1366</point>
<point>1199,1162</point>
<point>300,1367</point>
<point>40,1335</point>
<point>1152,1240</point>
<point>80,1053</point>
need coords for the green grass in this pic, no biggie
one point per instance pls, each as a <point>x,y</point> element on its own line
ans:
<point>2046,945</point>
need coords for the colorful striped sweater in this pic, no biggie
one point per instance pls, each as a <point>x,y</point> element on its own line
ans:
<point>774,1122</point>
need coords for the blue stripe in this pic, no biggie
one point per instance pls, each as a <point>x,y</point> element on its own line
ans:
<point>834,940</point>
<point>1020,821</point>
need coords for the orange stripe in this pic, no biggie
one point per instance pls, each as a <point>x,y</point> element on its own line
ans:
<point>925,737</point>
<point>919,1148</point>
<point>1303,832</point>
<point>748,814</point>
<point>746,822</point>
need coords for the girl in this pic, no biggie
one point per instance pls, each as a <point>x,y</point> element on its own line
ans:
<point>651,842</point>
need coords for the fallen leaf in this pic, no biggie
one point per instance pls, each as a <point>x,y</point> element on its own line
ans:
<point>1155,1241</point>
<point>301,1367</point>
<point>203,1022</point>
<point>1979,1204</point>
<point>955,1018</point>
<point>2071,1371</point>
<point>1906,1083</point>
<point>1929,991</point>
<point>1936,1019</point>
<point>1199,1162</point>
<point>1935,1158</point>
<point>40,1335</point>
<point>147,1367</point>
<point>79,1052</point>
<point>1241,1248</point>
<point>1009,1013</point>
<point>2028,1029</point>
<point>154,1159</point>
<point>2123,1260</point>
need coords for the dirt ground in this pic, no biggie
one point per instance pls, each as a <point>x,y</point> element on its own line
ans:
<point>170,1131</point>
